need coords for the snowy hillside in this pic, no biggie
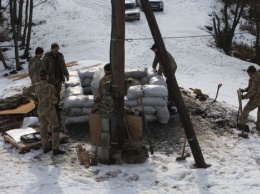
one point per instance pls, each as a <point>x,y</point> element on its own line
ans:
<point>82,28</point>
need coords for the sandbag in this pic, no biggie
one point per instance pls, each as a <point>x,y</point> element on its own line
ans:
<point>150,118</point>
<point>74,74</point>
<point>74,112</point>
<point>136,74</point>
<point>86,82</point>
<point>76,119</point>
<point>75,101</point>
<point>135,92</point>
<point>87,91</point>
<point>83,74</point>
<point>158,80</point>
<point>144,80</point>
<point>73,81</point>
<point>73,91</point>
<point>150,73</point>
<point>162,114</point>
<point>99,73</point>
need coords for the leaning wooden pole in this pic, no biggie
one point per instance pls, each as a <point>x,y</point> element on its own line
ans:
<point>173,86</point>
<point>117,59</point>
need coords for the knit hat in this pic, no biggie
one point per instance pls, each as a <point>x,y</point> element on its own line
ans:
<point>251,69</point>
<point>54,45</point>
<point>39,50</point>
<point>153,47</point>
<point>107,67</point>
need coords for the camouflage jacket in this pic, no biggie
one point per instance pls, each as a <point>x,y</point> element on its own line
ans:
<point>253,89</point>
<point>45,94</point>
<point>160,69</point>
<point>34,68</point>
<point>101,87</point>
<point>51,67</point>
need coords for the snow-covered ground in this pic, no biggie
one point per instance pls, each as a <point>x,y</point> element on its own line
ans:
<point>82,28</point>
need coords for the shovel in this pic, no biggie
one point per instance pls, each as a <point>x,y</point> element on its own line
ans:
<point>183,157</point>
<point>242,126</point>
<point>94,161</point>
<point>219,85</point>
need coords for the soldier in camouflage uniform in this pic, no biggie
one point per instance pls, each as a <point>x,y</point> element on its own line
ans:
<point>45,93</point>
<point>161,71</point>
<point>253,94</point>
<point>55,65</point>
<point>36,65</point>
<point>102,85</point>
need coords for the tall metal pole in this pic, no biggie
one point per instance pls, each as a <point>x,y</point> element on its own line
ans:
<point>117,59</point>
<point>173,86</point>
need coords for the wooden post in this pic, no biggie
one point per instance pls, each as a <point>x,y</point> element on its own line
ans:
<point>173,86</point>
<point>117,59</point>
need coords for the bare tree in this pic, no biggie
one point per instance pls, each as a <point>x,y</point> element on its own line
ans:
<point>255,8</point>
<point>28,38</point>
<point>20,20</point>
<point>25,22</point>
<point>225,26</point>
<point>3,60</point>
<point>13,8</point>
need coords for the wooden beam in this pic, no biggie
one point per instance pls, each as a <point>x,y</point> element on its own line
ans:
<point>173,86</point>
<point>117,59</point>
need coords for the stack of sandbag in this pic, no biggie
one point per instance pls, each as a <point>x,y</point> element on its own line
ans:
<point>77,108</point>
<point>86,78</point>
<point>154,100</point>
<point>76,104</point>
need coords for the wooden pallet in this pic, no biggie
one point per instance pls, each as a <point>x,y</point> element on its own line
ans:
<point>26,147</point>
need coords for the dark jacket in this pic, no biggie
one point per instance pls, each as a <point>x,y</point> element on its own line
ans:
<point>55,67</point>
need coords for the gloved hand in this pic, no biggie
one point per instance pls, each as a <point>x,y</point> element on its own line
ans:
<point>242,90</point>
<point>243,97</point>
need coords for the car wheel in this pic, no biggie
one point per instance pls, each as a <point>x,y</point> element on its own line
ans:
<point>161,9</point>
<point>138,18</point>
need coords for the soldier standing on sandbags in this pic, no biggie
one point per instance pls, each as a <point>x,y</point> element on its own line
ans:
<point>55,65</point>
<point>45,93</point>
<point>36,65</point>
<point>161,71</point>
<point>253,94</point>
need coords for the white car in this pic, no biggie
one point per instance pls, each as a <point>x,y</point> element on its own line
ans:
<point>155,4</point>
<point>132,12</point>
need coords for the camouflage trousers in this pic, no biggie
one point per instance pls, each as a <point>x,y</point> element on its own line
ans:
<point>57,85</point>
<point>250,106</point>
<point>46,119</point>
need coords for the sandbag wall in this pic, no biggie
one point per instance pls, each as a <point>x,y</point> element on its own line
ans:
<point>82,85</point>
<point>78,99</point>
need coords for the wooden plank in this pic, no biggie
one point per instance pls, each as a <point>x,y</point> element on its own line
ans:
<point>17,76</point>
<point>23,109</point>
<point>72,63</point>
<point>21,77</point>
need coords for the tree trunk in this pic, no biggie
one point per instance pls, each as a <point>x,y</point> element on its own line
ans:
<point>12,17</point>
<point>3,60</point>
<point>225,36</point>
<point>25,23</point>
<point>27,46</point>
<point>20,20</point>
